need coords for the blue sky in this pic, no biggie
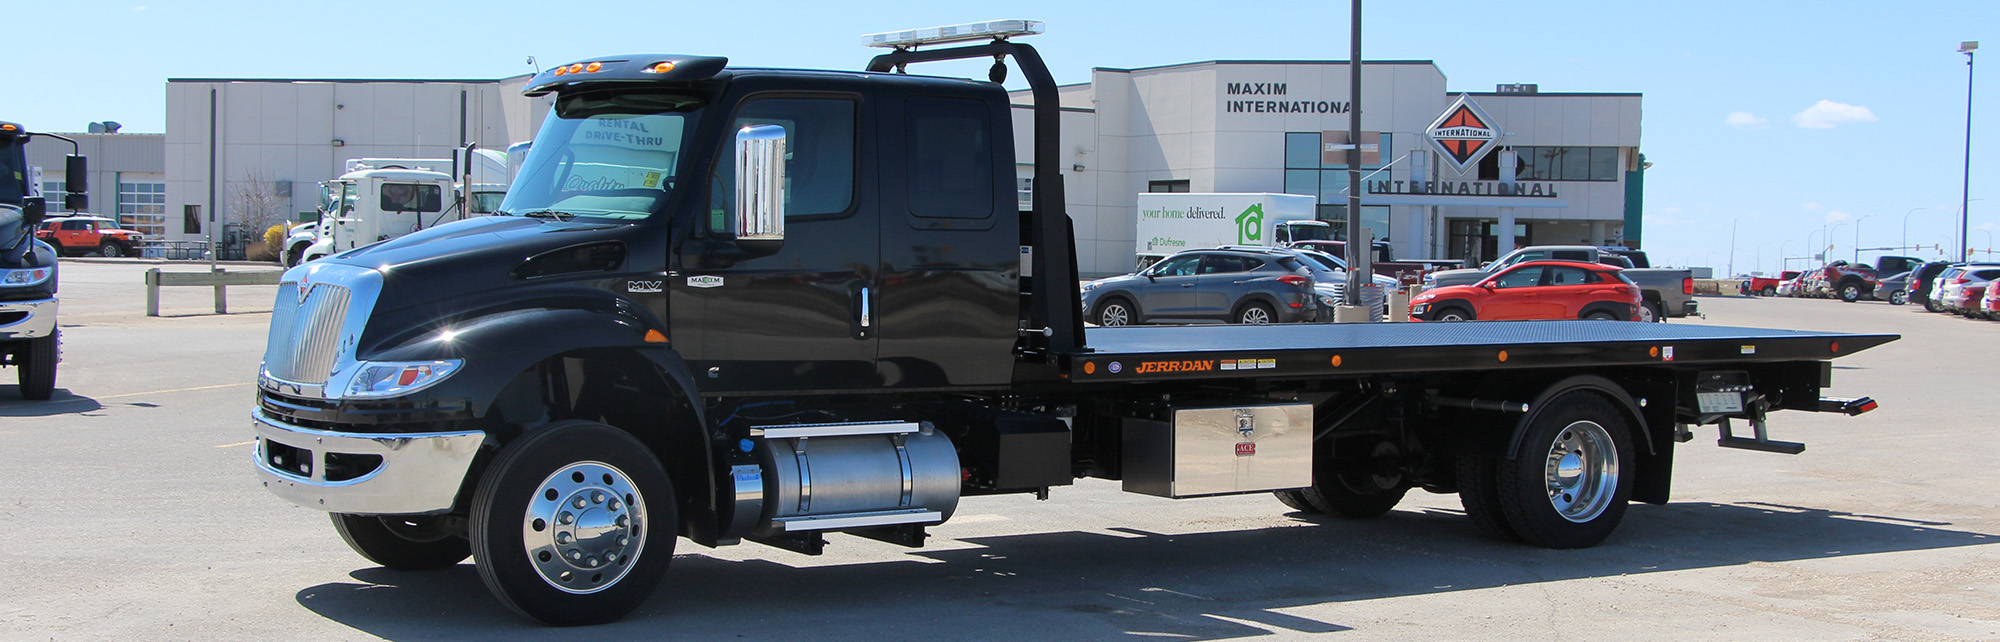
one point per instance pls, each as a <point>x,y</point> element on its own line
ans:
<point>1776,118</point>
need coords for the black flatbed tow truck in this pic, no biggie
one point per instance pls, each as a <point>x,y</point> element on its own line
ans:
<point>768,305</point>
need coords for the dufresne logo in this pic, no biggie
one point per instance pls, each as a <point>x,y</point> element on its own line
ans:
<point>1464,133</point>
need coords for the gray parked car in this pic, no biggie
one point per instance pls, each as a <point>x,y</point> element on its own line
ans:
<point>1248,285</point>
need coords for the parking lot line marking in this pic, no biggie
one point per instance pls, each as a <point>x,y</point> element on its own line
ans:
<point>162,392</point>
<point>240,443</point>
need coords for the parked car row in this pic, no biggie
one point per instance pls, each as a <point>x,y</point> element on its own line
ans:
<point>1961,288</point>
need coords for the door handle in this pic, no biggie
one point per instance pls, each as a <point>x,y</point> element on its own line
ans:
<point>865,310</point>
<point>1187,285</point>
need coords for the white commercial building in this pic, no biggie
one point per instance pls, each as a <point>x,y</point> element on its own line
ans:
<point>1263,126</point>
<point>282,137</point>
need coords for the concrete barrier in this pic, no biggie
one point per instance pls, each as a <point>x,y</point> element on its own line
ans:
<point>219,279</point>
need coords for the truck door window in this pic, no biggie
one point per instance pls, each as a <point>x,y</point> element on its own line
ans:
<point>819,156</point>
<point>412,197</point>
<point>950,152</point>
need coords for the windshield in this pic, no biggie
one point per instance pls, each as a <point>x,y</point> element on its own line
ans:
<point>603,155</point>
<point>1311,233</point>
<point>13,170</point>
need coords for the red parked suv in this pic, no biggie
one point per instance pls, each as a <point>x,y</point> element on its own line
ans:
<point>1535,290</point>
<point>1843,281</point>
<point>88,235</point>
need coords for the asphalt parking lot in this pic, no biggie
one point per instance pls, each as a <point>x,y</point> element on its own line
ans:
<point>130,511</point>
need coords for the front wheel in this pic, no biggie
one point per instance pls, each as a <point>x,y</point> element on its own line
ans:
<point>1601,315</point>
<point>1114,313</point>
<point>110,249</point>
<point>574,524</point>
<point>1256,314</point>
<point>1899,297</point>
<point>37,364</point>
<point>1571,477</point>
<point>1454,314</point>
<point>403,543</point>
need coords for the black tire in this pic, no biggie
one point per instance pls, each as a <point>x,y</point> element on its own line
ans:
<point>1601,315</point>
<point>1658,311</point>
<point>1115,312</point>
<point>1452,313</point>
<point>403,543</point>
<point>1850,292</point>
<point>1899,297</point>
<point>1481,499</point>
<point>1255,313</point>
<point>292,255</point>
<point>1356,487</point>
<point>1770,291</point>
<point>110,249</point>
<point>1296,499</point>
<point>1931,305</point>
<point>36,362</point>
<point>1583,424</point>
<point>516,488</point>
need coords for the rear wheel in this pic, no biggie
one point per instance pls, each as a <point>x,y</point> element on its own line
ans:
<point>574,524</point>
<point>1353,487</point>
<point>1930,305</point>
<point>1256,314</point>
<point>1481,499</point>
<point>1850,292</point>
<point>403,543</point>
<point>1899,297</point>
<point>1571,477</point>
<point>1770,291</point>
<point>36,362</point>
<point>1115,312</point>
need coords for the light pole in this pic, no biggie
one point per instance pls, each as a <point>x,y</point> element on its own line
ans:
<point>1732,246</point>
<point>1965,189</point>
<point>1857,237</point>
<point>1906,227</point>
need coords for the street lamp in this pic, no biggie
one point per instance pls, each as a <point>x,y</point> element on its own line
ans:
<point>1965,189</point>
<point>1857,236</point>
<point>1906,229</point>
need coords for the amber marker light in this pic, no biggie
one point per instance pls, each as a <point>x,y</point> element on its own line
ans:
<point>1503,356</point>
<point>559,71</point>
<point>659,67</point>
<point>8,127</point>
<point>576,68</point>
<point>1090,367</point>
<point>655,336</point>
<point>593,67</point>
<point>1653,352</point>
<point>1335,361</point>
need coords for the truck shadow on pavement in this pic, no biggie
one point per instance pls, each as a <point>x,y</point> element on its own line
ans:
<point>1127,583</point>
<point>60,403</point>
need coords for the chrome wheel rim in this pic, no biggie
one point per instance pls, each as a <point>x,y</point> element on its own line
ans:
<point>1582,471</point>
<point>1256,316</point>
<point>1451,316</point>
<point>1114,315</point>
<point>1646,313</point>
<point>583,528</point>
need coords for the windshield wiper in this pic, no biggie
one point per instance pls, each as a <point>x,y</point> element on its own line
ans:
<point>554,214</point>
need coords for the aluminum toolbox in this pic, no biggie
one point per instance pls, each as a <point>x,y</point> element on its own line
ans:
<point>1218,450</point>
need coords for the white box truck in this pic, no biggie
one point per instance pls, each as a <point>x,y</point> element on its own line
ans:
<point>1175,222</point>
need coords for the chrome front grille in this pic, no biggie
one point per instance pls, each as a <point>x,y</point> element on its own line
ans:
<point>305,336</point>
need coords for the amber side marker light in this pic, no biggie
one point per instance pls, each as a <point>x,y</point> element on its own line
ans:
<point>659,67</point>
<point>655,336</point>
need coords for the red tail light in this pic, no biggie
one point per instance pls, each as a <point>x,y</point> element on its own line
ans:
<point>1687,285</point>
<point>1294,279</point>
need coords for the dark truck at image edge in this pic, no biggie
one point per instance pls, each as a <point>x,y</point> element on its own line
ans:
<point>765,305</point>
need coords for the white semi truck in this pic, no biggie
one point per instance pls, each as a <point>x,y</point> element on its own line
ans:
<point>382,198</point>
<point>1175,222</point>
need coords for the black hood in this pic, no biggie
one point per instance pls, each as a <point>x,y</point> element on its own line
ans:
<point>468,268</point>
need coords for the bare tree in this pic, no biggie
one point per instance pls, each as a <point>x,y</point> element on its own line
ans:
<point>255,204</point>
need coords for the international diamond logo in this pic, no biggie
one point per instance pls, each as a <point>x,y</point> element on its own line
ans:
<point>1463,134</point>
<point>305,286</point>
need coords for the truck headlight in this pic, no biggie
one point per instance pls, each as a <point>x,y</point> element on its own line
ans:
<point>386,379</point>
<point>28,276</point>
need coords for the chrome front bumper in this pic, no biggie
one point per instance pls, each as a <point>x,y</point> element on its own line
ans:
<point>40,322</point>
<point>411,474</point>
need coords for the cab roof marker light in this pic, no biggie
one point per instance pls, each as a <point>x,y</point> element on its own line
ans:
<point>953,33</point>
<point>661,67</point>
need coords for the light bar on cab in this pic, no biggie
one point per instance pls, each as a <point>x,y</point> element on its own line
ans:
<point>953,33</point>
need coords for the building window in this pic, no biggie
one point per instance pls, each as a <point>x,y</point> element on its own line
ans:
<point>52,194</point>
<point>1159,187</point>
<point>142,208</point>
<point>1024,193</point>
<point>1548,163</point>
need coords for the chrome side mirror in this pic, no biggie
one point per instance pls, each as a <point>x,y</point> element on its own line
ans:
<point>760,185</point>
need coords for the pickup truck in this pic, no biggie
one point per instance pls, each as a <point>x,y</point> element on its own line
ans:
<point>1666,292</point>
<point>746,319</point>
<point>1756,285</point>
<point>1405,271</point>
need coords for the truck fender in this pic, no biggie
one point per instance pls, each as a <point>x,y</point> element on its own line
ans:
<point>1591,383</point>
<point>1653,482</point>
